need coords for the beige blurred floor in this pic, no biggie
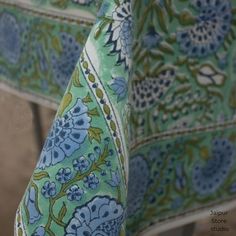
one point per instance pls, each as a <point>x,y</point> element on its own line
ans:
<point>18,154</point>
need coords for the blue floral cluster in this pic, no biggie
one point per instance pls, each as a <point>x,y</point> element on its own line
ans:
<point>63,175</point>
<point>163,162</point>
<point>74,193</point>
<point>49,189</point>
<point>138,183</point>
<point>100,216</point>
<point>212,25</point>
<point>115,179</point>
<point>151,39</point>
<point>120,87</point>
<point>81,164</point>
<point>63,63</point>
<point>91,181</point>
<point>66,135</point>
<point>10,39</point>
<point>208,178</point>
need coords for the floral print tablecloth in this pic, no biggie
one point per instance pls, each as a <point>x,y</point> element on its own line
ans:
<point>145,134</point>
<point>37,40</point>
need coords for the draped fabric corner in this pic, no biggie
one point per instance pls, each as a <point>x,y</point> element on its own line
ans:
<point>145,132</point>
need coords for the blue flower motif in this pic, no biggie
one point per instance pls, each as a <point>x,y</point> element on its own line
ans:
<point>156,155</point>
<point>92,157</point>
<point>91,181</point>
<point>63,175</point>
<point>31,205</point>
<point>49,189</point>
<point>100,216</point>
<point>145,93</point>
<point>115,179</point>
<point>74,193</point>
<point>81,164</point>
<point>63,63</point>
<point>208,178</point>
<point>180,179</point>
<point>138,183</point>
<point>66,135</point>
<point>10,41</point>
<point>151,39</point>
<point>120,34</point>
<point>212,25</point>
<point>40,231</point>
<point>120,87</point>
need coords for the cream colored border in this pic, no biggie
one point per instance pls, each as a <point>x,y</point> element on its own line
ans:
<point>76,15</point>
<point>32,97</point>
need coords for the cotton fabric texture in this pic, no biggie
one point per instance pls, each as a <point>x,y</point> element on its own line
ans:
<point>38,38</point>
<point>145,132</point>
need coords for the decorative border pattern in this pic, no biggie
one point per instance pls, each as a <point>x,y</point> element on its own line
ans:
<point>171,134</point>
<point>98,90</point>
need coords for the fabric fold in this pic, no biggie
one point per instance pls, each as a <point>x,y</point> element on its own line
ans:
<point>79,185</point>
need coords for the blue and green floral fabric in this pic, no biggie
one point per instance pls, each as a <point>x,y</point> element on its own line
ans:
<point>146,131</point>
<point>39,48</point>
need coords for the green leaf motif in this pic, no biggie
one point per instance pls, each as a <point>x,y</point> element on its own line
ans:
<point>161,18</point>
<point>20,232</point>
<point>232,137</point>
<point>87,99</point>
<point>204,152</point>
<point>65,103</point>
<point>186,18</point>
<point>166,48</point>
<point>40,175</point>
<point>95,133</point>
<point>56,44</point>
<point>215,92</point>
<point>104,22</point>
<point>117,2</point>
<point>62,212</point>
<point>94,112</point>
<point>168,6</point>
<point>60,3</point>
<point>75,78</point>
